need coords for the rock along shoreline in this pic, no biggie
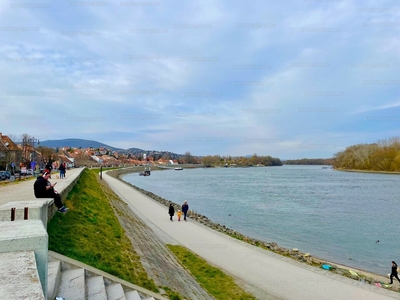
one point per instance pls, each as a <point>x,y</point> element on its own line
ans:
<point>355,274</point>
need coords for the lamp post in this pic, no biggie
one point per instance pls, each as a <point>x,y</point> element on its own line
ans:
<point>29,144</point>
<point>33,148</point>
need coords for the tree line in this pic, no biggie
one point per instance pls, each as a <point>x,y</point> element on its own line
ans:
<point>310,161</point>
<point>241,161</point>
<point>381,156</point>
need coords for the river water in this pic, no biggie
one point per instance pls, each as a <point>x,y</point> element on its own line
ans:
<point>337,216</point>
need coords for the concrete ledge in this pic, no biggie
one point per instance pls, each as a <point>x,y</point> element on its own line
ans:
<point>29,235</point>
<point>19,278</point>
<point>37,209</point>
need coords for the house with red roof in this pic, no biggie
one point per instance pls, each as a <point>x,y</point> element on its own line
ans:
<point>9,152</point>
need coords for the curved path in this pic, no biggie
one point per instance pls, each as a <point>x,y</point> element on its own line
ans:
<point>266,274</point>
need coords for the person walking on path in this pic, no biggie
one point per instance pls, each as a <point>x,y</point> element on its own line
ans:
<point>171,211</point>
<point>185,208</point>
<point>394,273</point>
<point>44,189</point>
<point>179,214</point>
<point>62,170</point>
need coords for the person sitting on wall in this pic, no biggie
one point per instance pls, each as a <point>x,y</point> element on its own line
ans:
<point>44,189</point>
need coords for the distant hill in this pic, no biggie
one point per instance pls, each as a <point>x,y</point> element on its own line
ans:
<point>75,143</point>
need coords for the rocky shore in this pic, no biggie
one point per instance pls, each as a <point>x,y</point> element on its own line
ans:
<point>356,274</point>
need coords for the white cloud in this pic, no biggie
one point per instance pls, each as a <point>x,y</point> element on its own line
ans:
<point>245,77</point>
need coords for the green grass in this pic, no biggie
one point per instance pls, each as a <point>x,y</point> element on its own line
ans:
<point>90,233</point>
<point>213,280</point>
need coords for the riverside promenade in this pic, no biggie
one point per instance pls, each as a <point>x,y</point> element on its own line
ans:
<point>265,274</point>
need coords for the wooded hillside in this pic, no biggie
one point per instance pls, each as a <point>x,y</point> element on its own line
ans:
<point>381,156</point>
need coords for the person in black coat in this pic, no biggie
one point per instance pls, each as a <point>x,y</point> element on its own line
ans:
<point>171,211</point>
<point>44,189</point>
<point>394,272</point>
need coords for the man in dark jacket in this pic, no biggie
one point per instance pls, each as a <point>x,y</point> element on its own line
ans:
<point>185,208</point>
<point>44,189</point>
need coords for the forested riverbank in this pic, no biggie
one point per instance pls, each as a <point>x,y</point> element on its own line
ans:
<point>382,156</point>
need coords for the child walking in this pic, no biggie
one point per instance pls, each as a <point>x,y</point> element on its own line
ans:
<point>179,214</point>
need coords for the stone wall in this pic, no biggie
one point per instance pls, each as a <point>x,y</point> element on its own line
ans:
<point>64,194</point>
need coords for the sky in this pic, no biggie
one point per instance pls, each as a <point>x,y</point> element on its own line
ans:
<point>289,79</point>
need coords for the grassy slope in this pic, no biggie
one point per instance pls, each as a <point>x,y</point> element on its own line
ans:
<point>91,233</point>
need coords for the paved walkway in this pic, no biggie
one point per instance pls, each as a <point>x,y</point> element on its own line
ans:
<point>268,275</point>
<point>23,190</point>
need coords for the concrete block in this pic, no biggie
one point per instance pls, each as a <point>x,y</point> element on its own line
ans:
<point>19,277</point>
<point>27,235</point>
<point>115,292</point>
<point>96,288</point>
<point>132,295</point>
<point>72,284</point>
<point>37,209</point>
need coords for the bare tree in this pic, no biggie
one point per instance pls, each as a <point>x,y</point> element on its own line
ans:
<point>13,138</point>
